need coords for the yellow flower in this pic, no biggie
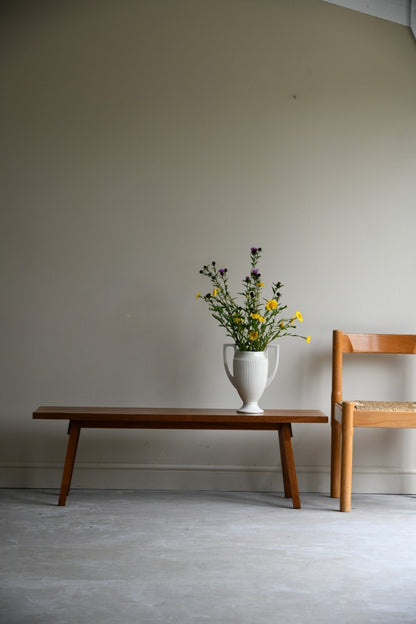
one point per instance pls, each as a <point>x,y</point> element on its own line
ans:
<point>238,320</point>
<point>255,316</point>
<point>271,304</point>
<point>299,316</point>
<point>308,338</point>
<point>282,324</point>
<point>215,292</point>
<point>260,284</point>
<point>261,319</point>
<point>198,294</point>
<point>253,335</point>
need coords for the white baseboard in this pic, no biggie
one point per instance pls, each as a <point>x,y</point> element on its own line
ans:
<point>190,477</point>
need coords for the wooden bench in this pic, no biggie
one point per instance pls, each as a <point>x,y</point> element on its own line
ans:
<point>174,418</point>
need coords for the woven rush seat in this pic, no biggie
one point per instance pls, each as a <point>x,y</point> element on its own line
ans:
<point>384,406</point>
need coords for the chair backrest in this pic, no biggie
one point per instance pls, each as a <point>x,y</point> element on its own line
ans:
<point>364,343</point>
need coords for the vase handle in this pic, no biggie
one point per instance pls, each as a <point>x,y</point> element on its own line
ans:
<point>224,355</point>
<point>272,373</point>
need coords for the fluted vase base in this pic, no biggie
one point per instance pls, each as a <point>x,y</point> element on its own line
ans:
<point>250,408</point>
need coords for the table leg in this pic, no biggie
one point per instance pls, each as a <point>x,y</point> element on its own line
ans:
<point>290,480</point>
<point>286,482</point>
<point>71,451</point>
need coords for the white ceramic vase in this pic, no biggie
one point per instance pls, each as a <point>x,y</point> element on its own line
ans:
<point>252,374</point>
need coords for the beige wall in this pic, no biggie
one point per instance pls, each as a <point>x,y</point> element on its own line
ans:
<point>140,140</point>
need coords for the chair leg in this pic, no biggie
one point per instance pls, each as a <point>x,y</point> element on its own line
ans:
<point>335,458</point>
<point>346,457</point>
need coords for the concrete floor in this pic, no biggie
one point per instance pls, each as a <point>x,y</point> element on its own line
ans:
<point>148,557</point>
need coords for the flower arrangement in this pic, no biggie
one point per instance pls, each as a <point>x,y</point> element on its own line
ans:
<point>258,321</point>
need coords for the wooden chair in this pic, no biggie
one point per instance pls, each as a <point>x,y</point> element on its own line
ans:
<point>345,415</point>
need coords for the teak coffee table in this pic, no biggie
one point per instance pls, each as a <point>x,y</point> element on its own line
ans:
<point>175,418</point>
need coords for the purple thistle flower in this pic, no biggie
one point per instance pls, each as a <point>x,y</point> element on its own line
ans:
<point>255,272</point>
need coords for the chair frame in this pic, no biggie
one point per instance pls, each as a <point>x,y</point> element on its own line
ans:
<point>345,415</point>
